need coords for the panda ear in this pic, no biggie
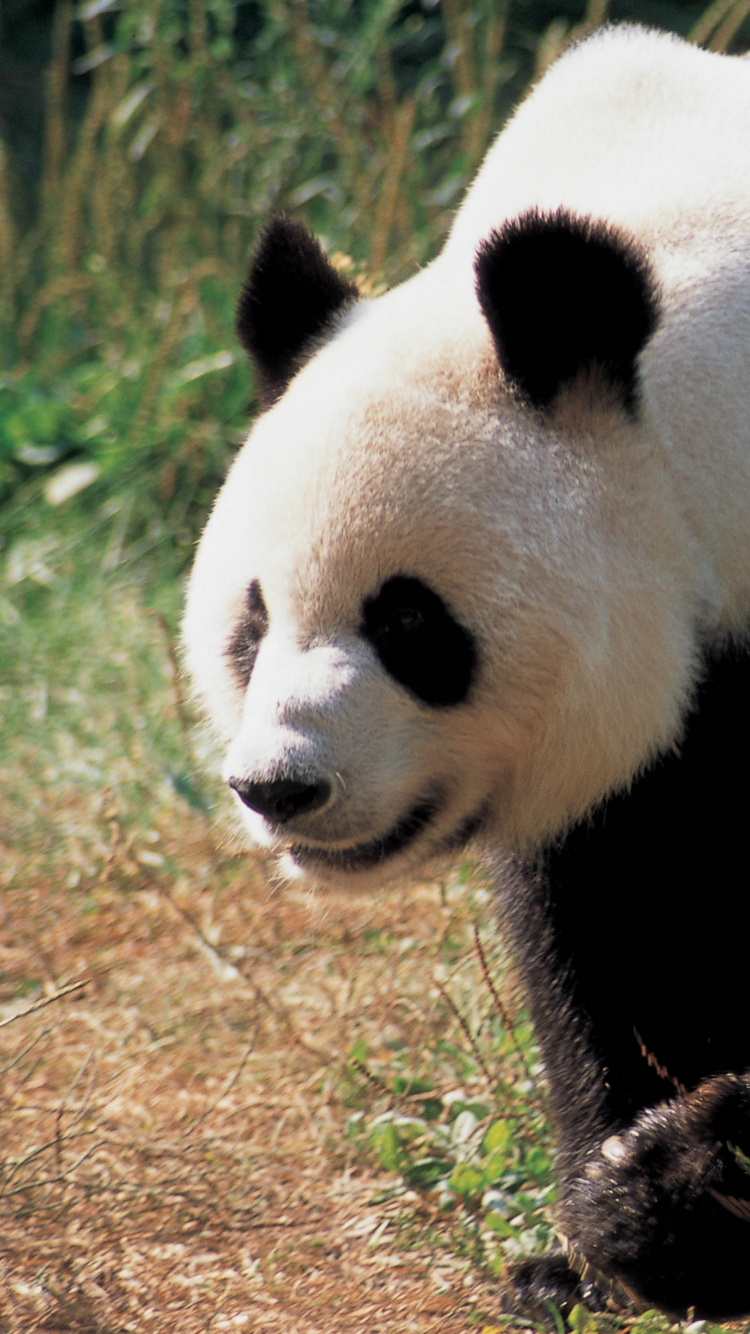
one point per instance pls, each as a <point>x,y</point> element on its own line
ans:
<point>289,301</point>
<point>564,295</point>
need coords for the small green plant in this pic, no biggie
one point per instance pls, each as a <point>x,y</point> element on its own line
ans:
<point>468,1142</point>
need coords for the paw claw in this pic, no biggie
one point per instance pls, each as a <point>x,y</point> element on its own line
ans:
<point>614,1149</point>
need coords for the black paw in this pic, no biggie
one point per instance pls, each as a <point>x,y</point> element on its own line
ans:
<point>676,1153</point>
<point>663,1206</point>
<point>548,1280</point>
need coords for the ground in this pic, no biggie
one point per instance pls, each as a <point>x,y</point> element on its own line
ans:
<point>175,1097</point>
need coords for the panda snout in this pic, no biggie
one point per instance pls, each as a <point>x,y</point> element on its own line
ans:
<point>283,798</point>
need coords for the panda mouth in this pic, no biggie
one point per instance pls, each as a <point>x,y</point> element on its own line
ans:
<point>365,855</point>
<point>465,832</point>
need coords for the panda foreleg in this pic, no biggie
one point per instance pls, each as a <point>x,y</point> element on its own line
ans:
<point>575,1078</point>
<point>654,1192</point>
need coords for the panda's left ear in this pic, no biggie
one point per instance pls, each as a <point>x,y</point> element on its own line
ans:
<point>565,295</point>
<point>289,302</point>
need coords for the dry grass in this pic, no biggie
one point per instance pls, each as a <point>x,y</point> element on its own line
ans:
<point>174,1057</point>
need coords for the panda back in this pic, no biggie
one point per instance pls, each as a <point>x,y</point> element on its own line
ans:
<point>631,125</point>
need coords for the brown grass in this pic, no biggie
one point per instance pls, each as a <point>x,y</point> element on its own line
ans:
<point>175,1077</point>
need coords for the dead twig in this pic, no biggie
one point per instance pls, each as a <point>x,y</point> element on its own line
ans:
<point>48,1000</point>
<point>467,1033</point>
<point>497,1000</point>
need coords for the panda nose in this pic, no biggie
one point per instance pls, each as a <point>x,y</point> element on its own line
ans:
<point>282,798</point>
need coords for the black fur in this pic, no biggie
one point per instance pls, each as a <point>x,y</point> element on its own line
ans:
<point>289,302</point>
<point>419,641</point>
<point>632,940</point>
<point>242,649</point>
<point>565,295</point>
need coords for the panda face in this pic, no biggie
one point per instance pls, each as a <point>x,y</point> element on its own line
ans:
<point>348,706</point>
<point>406,659</point>
<point>347,686</point>
<point>443,594</point>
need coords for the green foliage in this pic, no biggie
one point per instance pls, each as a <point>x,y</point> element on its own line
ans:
<point>88,696</point>
<point>484,1156</point>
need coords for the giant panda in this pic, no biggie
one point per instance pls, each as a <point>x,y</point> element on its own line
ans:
<point>481,576</point>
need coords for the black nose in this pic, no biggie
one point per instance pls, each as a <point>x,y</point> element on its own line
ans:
<point>283,798</point>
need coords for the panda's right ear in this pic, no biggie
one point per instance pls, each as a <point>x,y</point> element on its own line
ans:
<point>289,302</point>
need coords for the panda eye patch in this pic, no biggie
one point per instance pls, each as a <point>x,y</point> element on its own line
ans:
<point>242,649</point>
<point>419,641</point>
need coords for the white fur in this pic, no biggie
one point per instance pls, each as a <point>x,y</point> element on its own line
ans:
<point>590,554</point>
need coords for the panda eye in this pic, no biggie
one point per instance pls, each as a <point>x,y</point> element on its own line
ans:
<point>405,619</point>
<point>419,641</point>
<point>242,649</point>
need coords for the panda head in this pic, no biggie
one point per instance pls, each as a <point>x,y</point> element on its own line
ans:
<point>411,609</point>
